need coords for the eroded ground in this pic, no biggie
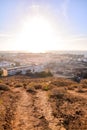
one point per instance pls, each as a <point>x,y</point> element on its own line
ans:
<point>42,104</point>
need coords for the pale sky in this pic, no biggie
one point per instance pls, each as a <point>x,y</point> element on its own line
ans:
<point>42,25</point>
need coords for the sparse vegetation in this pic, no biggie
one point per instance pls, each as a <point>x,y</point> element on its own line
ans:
<point>84,83</point>
<point>62,82</point>
<point>46,88</point>
<point>42,74</point>
<point>81,90</point>
<point>58,93</point>
<point>1,72</point>
<point>30,89</point>
<point>38,86</point>
<point>4,87</point>
<point>57,98</point>
<point>18,85</point>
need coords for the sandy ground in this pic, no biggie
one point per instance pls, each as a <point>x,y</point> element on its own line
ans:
<point>34,112</point>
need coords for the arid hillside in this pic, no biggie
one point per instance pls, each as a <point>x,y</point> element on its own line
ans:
<point>42,104</point>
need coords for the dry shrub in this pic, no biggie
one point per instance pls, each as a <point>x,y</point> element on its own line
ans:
<point>80,90</point>
<point>24,84</point>
<point>30,89</point>
<point>4,87</point>
<point>84,83</point>
<point>18,85</point>
<point>62,82</point>
<point>73,86</point>
<point>58,93</point>
<point>0,81</point>
<point>70,88</point>
<point>7,83</point>
<point>38,86</point>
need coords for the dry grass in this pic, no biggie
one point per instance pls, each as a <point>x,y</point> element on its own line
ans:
<point>66,106</point>
<point>73,86</point>
<point>18,85</point>
<point>39,85</point>
<point>84,83</point>
<point>80,90</point>
<point>61,82</point>
<point>4,87</point>
<point>58,93</point>
<point>30,89</point>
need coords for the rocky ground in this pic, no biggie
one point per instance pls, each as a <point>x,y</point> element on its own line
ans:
<point>42,104</point>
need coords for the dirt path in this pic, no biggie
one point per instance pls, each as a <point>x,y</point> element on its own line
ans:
<point>27,116</point>
<point>46,110</point>
<point>32,112</point>
<point>23,112</point>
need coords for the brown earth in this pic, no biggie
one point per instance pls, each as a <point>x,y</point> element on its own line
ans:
<point>43,104</point>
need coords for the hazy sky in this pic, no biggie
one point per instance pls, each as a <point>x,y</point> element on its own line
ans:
<point>67,18</point>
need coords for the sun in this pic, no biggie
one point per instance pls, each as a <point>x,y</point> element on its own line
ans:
<point>37,35</point>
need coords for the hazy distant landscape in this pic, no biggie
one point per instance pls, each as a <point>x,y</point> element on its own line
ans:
<point>59,63</point>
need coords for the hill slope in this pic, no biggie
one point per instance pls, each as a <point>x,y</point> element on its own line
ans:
<point>42,103</point>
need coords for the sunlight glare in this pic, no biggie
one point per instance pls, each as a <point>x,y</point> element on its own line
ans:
<point>37,35</point>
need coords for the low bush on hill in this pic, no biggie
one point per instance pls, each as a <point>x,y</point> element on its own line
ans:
<point>4,87</point>
<point>41,74</point>
<point>58,93</point>
<point>62,82</point>
<point>18,85</point>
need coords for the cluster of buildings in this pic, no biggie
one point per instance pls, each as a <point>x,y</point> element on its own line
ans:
<point>6,64</point>
<point>59,64</point>
<point>22,70</point>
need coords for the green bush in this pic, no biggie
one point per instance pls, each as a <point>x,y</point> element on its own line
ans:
<point>46,88</point>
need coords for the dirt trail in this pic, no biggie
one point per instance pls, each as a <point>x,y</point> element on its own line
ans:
<point>46,110</point>
<point>32,111</point>
<point>23,112</point>
<point>26,116</point>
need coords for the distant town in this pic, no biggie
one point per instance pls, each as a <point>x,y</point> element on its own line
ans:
<point>59,64</point>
